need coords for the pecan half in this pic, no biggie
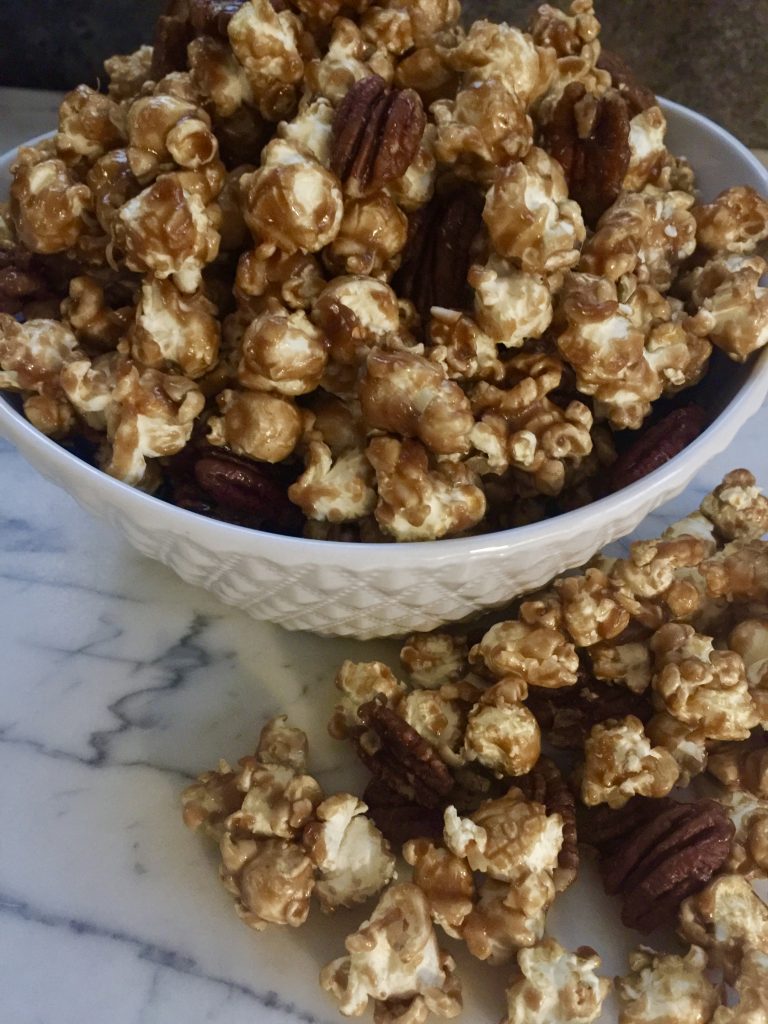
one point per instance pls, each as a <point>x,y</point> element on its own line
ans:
<point>566,715</point>
<point>438,253</point>
<point>399,819</point>
<point>545,784</point>
<point>212,17</point>
<point>590,139</point>
<point>396,755</point>
<point>657,445</point>
<point>235,489</point>
<point>173,33</point>
<point>376,134</point>
<point>669,853</point>
<point>638,96</point>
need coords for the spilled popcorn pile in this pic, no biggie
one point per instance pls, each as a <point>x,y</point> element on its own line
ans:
<point>647,676</point>
<point>345,269</point>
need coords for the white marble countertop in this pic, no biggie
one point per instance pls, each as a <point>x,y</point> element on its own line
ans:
<point>120,684</point>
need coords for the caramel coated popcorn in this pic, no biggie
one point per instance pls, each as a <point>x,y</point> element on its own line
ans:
<point>371,203</point>
<point>605,663</point>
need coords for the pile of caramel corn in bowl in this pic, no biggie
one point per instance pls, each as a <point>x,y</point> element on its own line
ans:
<point>353,272</point>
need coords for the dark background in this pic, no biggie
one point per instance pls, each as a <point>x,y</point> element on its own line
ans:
<point>708,54</point>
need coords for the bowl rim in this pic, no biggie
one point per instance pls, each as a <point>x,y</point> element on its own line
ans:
<point>359,555</point>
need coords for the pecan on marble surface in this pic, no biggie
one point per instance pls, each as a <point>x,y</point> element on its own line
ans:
<point>398,818</point>
<point>545,784</point>
<point>396,755</point>
<point>590,139</point>
<point>375,136</point>
<point>666,851</point>
<point>566,716</point>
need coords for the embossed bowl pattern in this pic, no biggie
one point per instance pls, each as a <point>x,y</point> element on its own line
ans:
<point>367,590</point>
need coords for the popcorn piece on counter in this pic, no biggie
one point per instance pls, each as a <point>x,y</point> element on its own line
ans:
<point>446,881</point>
<point>621,763</point>
<point>686,743</point>
<point>145,413</point>
<point>359,683</point>
<point>432,659</point>
<point>666,988</point>
<point>736,221</point>
<point>553,986</point>
<point>742,766</point>
<point>749,639</point>
<point>739,572</point>
<point>175,329</point>
<point>507,839</point>
<point>749,849</point>
<point>440,717</point>
<point>726,919</point>
<point>280,840</point>
<point>394,959</point>
<point>737,508</point>
<point>502,735</point>
<point>348,850</point>
<point>263,426</point>
<point>701,686</point>
<point>418,501</point>
<point>271,880</point>
<point>540,655</point>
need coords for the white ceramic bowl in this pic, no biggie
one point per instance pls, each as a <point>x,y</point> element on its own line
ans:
<point>368,590</point>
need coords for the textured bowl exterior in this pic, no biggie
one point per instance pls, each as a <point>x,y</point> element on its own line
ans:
<point>366,590</point>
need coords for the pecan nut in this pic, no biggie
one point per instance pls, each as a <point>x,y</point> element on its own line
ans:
<point>399,819</point>
<point>376,134</point>
<point>638,97</point>
<point>592,145</point>
<point>173,33</point>
<point>566,715</point>
<point>545,784</point>
<point>22,279</point>
<point>666,852</point>
<point>398,756</point>
<point>235,489</point>
<point>657,445</point>
<point>438,253</point>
